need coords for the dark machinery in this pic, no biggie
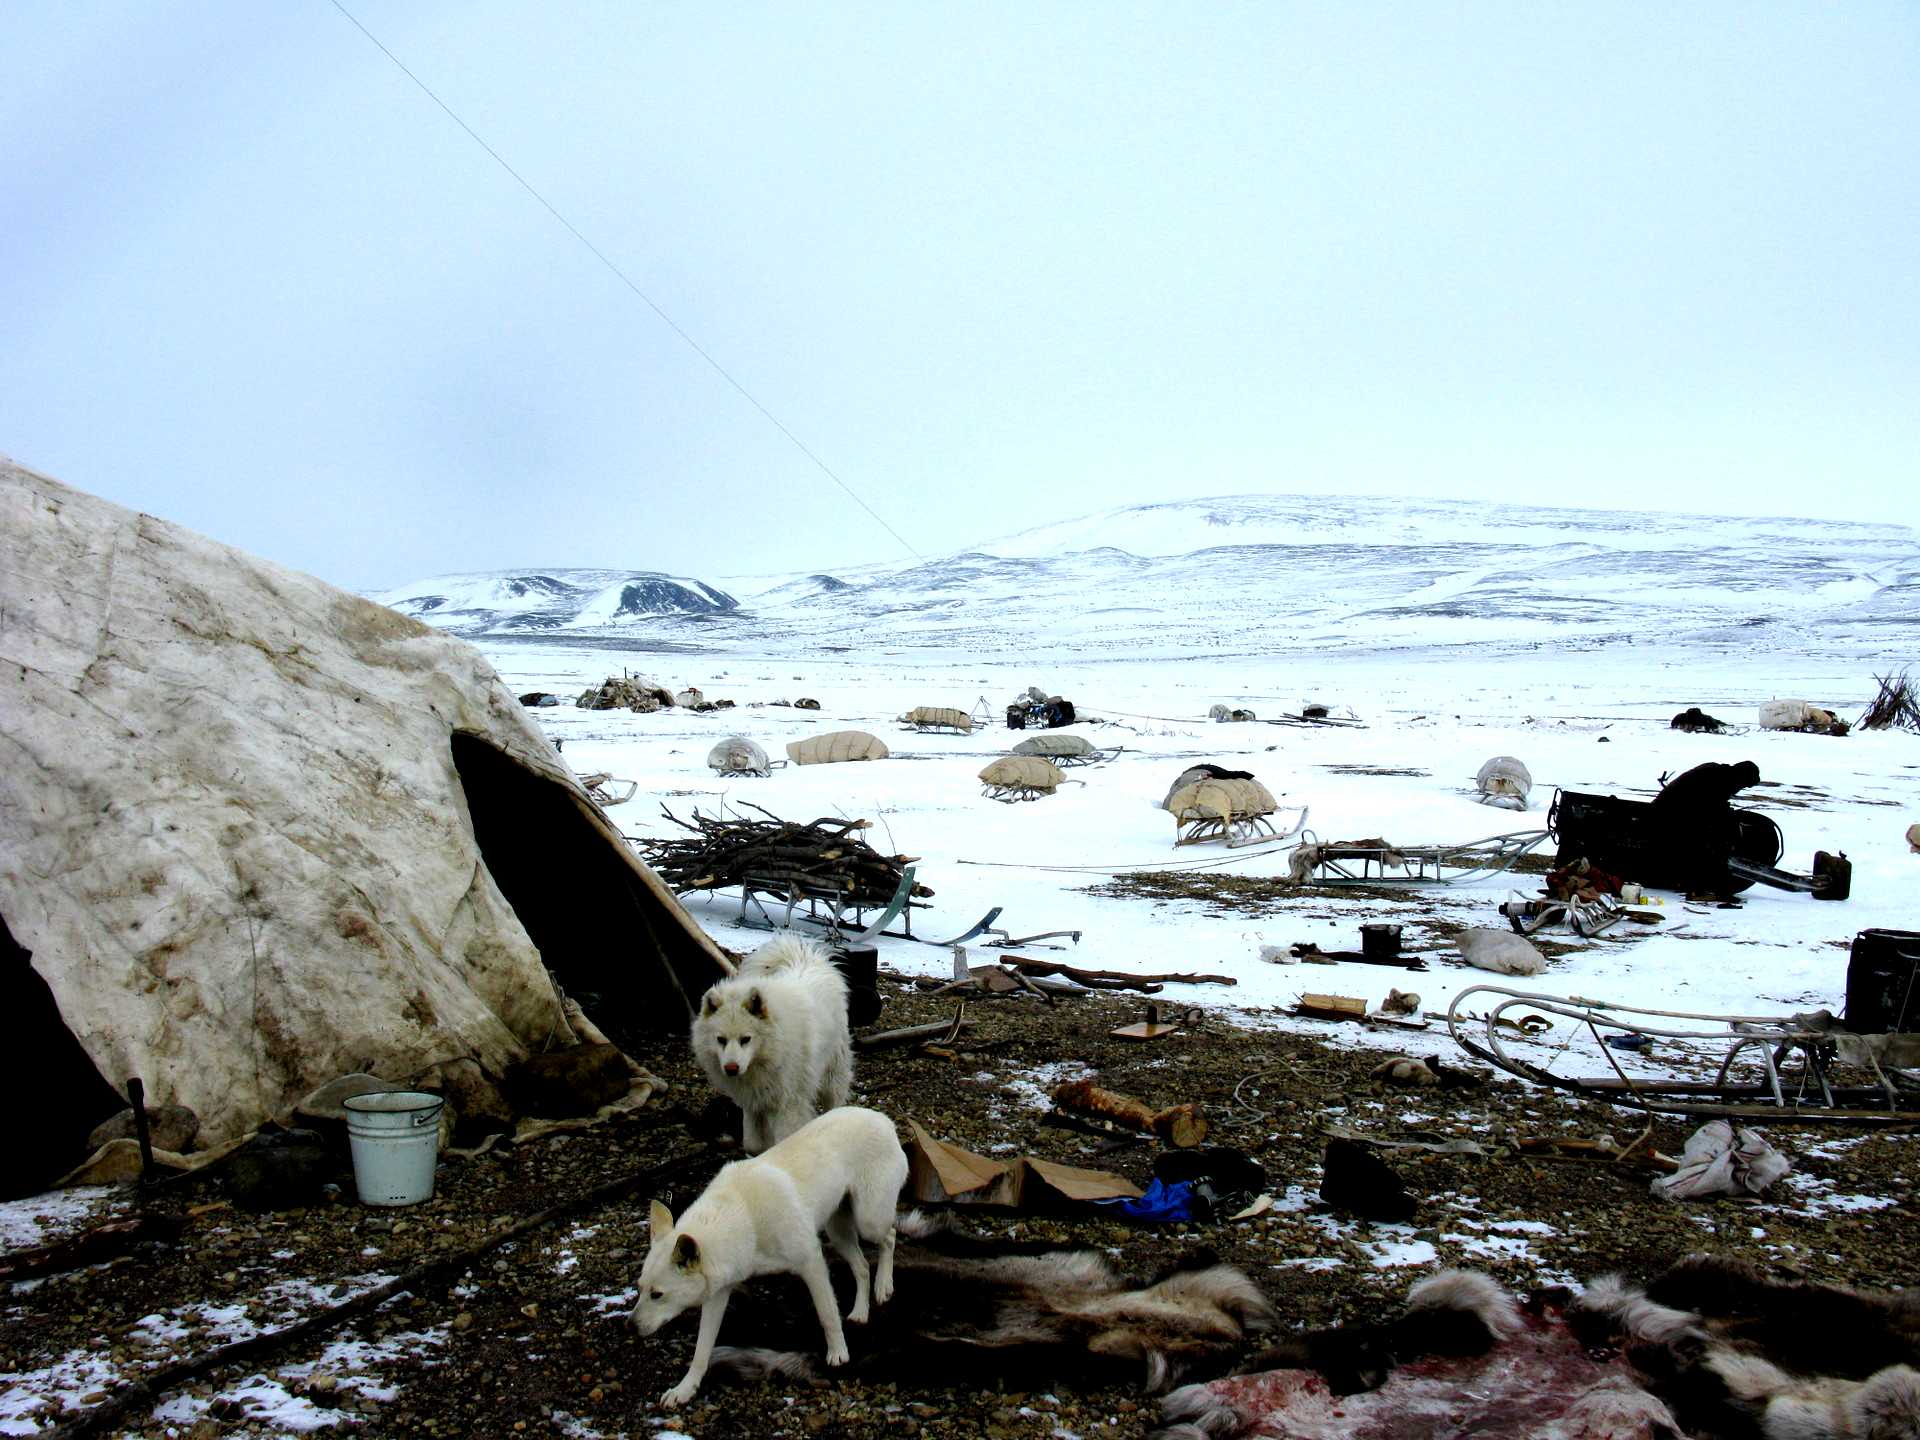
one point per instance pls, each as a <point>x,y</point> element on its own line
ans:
<point>1700,846</point>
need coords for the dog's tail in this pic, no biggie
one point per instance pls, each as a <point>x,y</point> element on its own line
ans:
<point>751,1363</point>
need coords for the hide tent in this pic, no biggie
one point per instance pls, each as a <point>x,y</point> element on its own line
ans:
<point>257,833</point>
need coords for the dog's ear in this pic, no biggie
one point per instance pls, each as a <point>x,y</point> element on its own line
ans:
<point>756,1005</point>
<point>659,1222</point>
<point>711,1004</point>
<point>686,1252</point>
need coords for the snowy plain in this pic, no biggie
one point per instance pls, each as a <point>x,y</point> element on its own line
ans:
<point>1454,631</point>
<point>1585,722</point>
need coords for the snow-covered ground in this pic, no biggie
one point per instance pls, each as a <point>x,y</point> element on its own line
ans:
<point>1586,720</point>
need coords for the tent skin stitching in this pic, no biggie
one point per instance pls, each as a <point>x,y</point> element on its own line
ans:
<point>238,844</point>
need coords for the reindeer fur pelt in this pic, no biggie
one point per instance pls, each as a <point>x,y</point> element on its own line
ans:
<point>1710,1350</point>
<point>965,1305</point>
<point>1740,1354</point>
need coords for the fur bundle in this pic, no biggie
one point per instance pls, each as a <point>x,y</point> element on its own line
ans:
<point>990,1310</point>
<point>1710,1350</point>
<point>1740,1353</point>
<point>773,1039</point>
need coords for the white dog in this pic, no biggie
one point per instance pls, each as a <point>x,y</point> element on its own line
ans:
<point>773,1039</point>
<point>841,1173</point>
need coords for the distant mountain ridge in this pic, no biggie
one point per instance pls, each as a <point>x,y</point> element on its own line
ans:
<point>1267,574</point>
<point>526,601</point>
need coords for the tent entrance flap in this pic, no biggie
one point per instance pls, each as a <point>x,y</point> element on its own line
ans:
<point>54,1092</point>
<point>608,941</point>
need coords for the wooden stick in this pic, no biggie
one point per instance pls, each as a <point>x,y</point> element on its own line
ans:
<point>1093,978</point>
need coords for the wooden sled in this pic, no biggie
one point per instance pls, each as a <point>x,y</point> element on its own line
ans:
<point>1365,864</point>
<point>1763,1067</point>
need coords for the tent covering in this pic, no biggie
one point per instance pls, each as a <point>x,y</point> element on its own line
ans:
<point>257,833</point>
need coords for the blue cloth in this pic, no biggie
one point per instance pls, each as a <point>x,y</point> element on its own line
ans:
<point>1162,1202</point>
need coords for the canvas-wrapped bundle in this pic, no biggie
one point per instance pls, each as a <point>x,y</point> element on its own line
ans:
<point>1021,777</point>
<point>837,747</point>
<point>939,717</point>
<point>738,755</point>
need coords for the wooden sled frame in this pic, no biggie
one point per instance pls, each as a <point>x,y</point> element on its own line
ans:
<point>1420,864</point>
<point>1806,1092</point>
<point>1237,830</point>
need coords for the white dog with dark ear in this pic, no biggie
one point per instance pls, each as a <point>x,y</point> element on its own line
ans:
<point>773,1039</point>
<point>841,1173</point>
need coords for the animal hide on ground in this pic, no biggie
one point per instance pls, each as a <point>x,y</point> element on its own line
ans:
<point>1709,1351</point>
<point>1463,1360</point>
<point>965,1307</point>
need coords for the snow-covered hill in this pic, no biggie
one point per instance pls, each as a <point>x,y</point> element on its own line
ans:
<point>568,600</point>
<point>1271,574</point>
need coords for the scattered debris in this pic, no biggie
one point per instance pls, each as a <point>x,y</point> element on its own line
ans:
<point>1355,1179</point>
<point>1115,979</point>
<point>605,790</point>
<point>1718,1160</point>
<point>626,693</point>
<point>804,703</point>
<point>1179,1125</point>
<point>1306,950</point>
<point>1159,1022</point>
<point>1405,1070</point>
<point>1331,1007</point>
<point>1501,951</point>
<point>1037,710</point>
<point>1401,1002</point>
<point>943,1174</point>
<point>942,1032</point>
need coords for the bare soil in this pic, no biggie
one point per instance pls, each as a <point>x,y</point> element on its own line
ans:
<point>530,1352</point>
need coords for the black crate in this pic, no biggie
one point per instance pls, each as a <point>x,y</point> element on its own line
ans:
<point>1883,982</point>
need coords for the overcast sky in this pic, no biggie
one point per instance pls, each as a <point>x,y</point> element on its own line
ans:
<point>994,265</point>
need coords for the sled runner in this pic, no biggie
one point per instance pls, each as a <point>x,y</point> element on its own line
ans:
<point>1761,1067</point>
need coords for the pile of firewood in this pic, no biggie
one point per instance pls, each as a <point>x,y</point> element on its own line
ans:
<point>1895,708</point>
<point>824,860</point>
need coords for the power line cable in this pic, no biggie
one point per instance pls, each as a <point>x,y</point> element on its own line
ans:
<point>621,276</point>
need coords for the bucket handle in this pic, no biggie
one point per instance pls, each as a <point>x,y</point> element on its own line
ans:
<point>426,1117</point>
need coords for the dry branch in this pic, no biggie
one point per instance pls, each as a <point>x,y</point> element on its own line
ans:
<point>1895,707</point>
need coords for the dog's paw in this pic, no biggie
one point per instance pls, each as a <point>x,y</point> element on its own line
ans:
<point>883,1291</point>
<point>681,1393</point>
<point>857,1315</point>
<point>837,1354</point>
